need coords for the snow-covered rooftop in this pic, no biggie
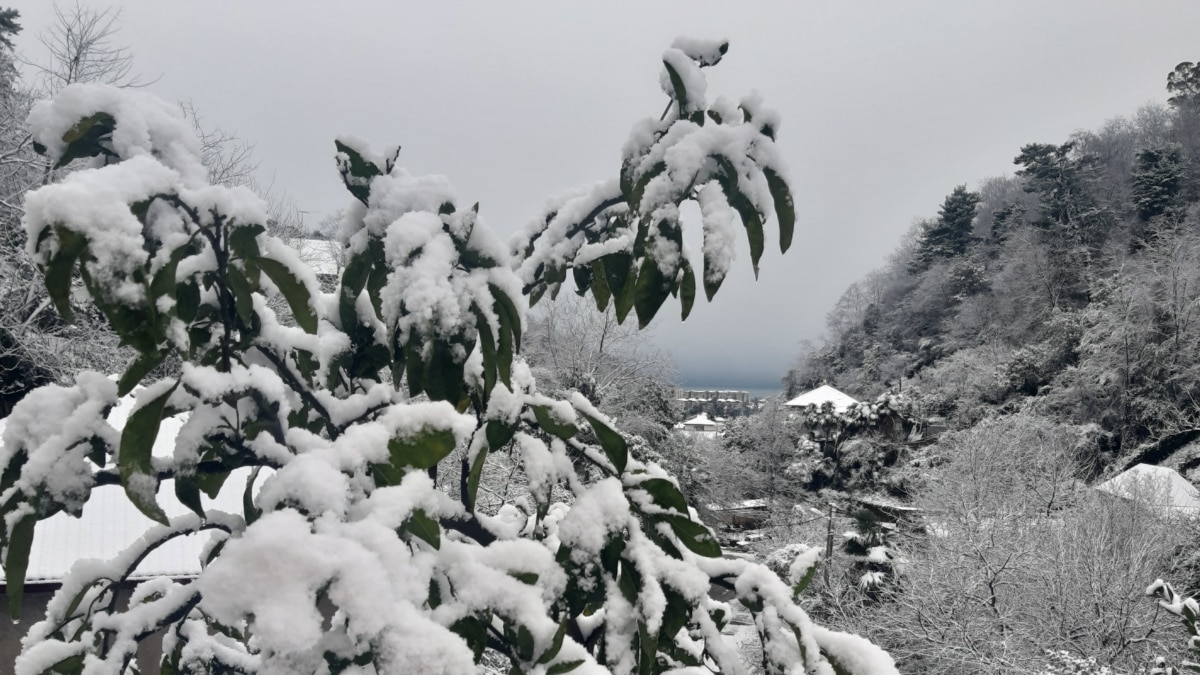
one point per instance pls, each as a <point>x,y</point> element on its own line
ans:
<point>1158,486</point>
<point>700,420</point>
<point>820,395</point>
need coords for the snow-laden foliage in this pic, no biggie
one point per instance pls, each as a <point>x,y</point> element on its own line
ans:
<point>827,423</point>
<point>623,239</point>
<point>351,558</point>
<point>1188,611</point>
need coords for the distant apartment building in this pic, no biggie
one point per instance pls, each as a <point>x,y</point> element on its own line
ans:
<point>715,402</point>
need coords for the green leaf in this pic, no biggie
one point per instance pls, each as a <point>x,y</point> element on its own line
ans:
<point>474,632</point>
<point>676,615</point>
<point>387,475</point>
<point>664,493</point>
<point>639,188</point>
<point>139,368</point>
<point>415,372</point>
<point>600,290</point>
<point>551,425</point>
<point>357,172</point>
<point>163,282</point>
<point>294,291</point>
<point>719,619</point>
<point>681,94</point>
<point>378,277</point>
<point>424,527</point>
<point>524,643</point>
<point>612,442</point>
<point>695,536</point>
<point>187,490</point>
<point>443,377</point>
<point>83,139</point>
<point>187,297</point>
<point>564,667</point>
<point>487,345</point>
<point>499,434</point>
<point>243,302</point>
<point>69,666</point>
<point>135,325</point>
<point>610,555</point>
<point>504,351</point>
<point>785,209</point>
<point>251,511</point>
<point>475,475</point>
<point>629,581</point>
<point>583,279</point>
<point>422,450</point>
<point>838,667</point>
<point>506,308</point>
<point>626,179</point>
<point>98,454</point>
<point>211,483</point>
<point>805,580</point>
<point>16,561</point>
<point>650,292</point>
<point>133,460</point>
<point>354,278</point>
<point>620,281</point>
<point>647,650</point>
<point>243,240</point>
<point>555,645</point>
<point>7,479</point>
<point>650,527</point>
<point>529,578</point>
<point>60,268</point>
<point>751,218</point>
<point>687,289</point>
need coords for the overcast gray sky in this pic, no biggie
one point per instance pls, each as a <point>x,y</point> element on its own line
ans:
<point>886,106</point>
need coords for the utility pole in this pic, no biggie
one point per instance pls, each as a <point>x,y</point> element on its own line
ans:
<point>828,543</point>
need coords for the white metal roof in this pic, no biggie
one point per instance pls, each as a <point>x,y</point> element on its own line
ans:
<point>822,394</point>
<point>700,420</point>
<point>110,523</point>
<point>1158,486</point>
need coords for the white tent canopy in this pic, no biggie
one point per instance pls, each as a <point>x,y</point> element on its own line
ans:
<point>822,394</point>
<point>1160,487</point>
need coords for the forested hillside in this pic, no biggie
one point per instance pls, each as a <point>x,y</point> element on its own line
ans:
<point>1070,289</point>
<point>1052,319</point>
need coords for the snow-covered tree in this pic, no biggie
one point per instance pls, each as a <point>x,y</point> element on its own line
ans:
<point>349,558</point>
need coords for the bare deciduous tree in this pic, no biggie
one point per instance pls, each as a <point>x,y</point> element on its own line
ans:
<point>81,46</point>
<point>1021,560</point>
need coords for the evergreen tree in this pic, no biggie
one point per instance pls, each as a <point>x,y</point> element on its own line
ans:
<point>1158,181</point>
<point>1063,178</point>
<point>8,26</point>
<point>950,235</point>
<point>1183,84</point>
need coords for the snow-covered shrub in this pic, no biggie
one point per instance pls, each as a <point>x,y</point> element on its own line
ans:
<point>350,558</point>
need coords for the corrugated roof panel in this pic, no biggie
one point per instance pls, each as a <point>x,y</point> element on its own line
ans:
<point>111,523</point>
